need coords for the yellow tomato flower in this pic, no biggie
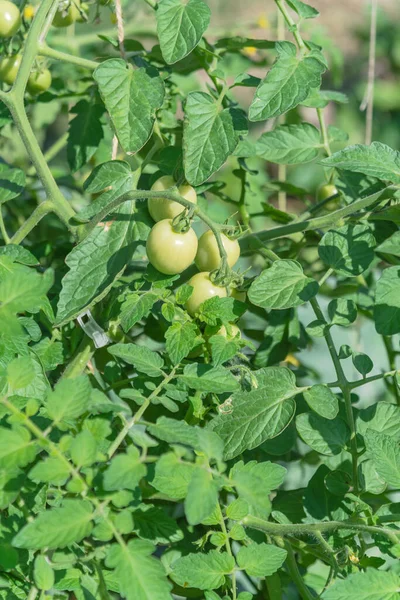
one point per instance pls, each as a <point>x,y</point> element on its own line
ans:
<point>263,22</point>
<point>29,11</point>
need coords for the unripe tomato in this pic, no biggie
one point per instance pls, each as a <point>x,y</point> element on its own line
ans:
<point>208,257</point>
<point>10,19</point>
<point>326,191</point>
<point>83,15</point>
<point>233,331</point>
<point>160,208</point>
<point>39,81</point>
<point>9,68</point>
<point>67,14</point>
<point>168,251</point>
<point>203,289</point>
<point>238,295</point>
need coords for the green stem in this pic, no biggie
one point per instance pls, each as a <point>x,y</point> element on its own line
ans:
<point>69,58</point>
<point>138,415</point>
<point>345,388</point>
<point>33,592</point>
<point>295,574</point>
<point>79,362</point>
<point>228,549</point>
<point>151,3</point>
<point>40,211</point>
<point>391,354</point>
<point>301,529</point>
<point>355,384</point>
<point>324,131</point>
<point>274,586</point>
<point>3,229</point>
<point>291,24</point>
<point>254,241</point>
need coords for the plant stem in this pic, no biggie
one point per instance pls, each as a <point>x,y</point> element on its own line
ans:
<point>82,356</point>
<point>3,228</point>
<point>137,416</point>
<point>45,50</point>
<point>355,384</point>
<point>33,592</point>
<point>300,529</point>
<point>52,151</point>
<point>40,211</point>
<point>253,241</point>
<point>228,548</point>
<point>345,388</point>
<point>295,574</point>
<point>391,354</point>
<point>291,24</point>
<point>324,131</point>
<point>368,101</point>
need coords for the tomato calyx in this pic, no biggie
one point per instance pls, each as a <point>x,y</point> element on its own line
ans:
<point>183,222</point>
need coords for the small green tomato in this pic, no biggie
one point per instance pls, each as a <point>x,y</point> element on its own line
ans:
<point>39,81</point>
<point>168,251</point>
<point>9,68</point>
<point>203,289</point>
<point>10,19</point>
<point>67,13</point>
<point>208,257</point>
<point>160,208</point>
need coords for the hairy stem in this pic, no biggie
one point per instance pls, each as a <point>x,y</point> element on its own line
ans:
<point>40,211</point>
<point>228,548</point>
<point>45,50</point>
<point>295,574</point>
<point>291,24</point>
<point>324,131</point>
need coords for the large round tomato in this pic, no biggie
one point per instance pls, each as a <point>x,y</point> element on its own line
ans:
<point>39,81</point>
<point>67,13</point>
<point>9,66</point>
<point>10,19</point>
<point>170,252</point>
<point>208,257</point>
<point>203,289</point>
<point>160,208</point>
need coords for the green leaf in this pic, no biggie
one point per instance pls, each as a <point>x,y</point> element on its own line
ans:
<point>387,302</point>
<point>50,353</point>
<point>57,527</point>
<point>142,358</point>
<point>318,98</point>
<point>108,181</point>
<point>85,133</point>
<point>172,476</point>
<point>69,400</point>
<point>218,310</point>
<point>362,363</point>
<point>16,447</point>
<point>342,311</point>
<point>370,584</point>
<point>247,419</point>
<point>83,449</point>
<point>140,576</point>
<point>96,262</point>
<point>151,523</point>
<point>305,11</point>
<point>283,285</point>
<point>382,417</point>
<point>322,400</point>
<point>254,482</point>
<point>385,454</point>
<point>389,246</point>
<point>180,26</point>
<point>50,470</point>
<point>370,481</point>
<point>349,249</point>
<point>132,96</point>
<point>209,379</point>
<point>290,144</point>
<point>261,560</point>
<point>135,308</point>
<point>19,254</point>
<point>125,471</point>
<point>222,349</point>
<point>12,182</point>
<point>203,571</point>
<point>325,436</point>
<point>287,83</point>
<point>202,496</point>
<point>20,372</point>
<point>43,573</point>
<point>23,290</point>
<point>377,160</point>
<point>210,135</point>
<point>180,338</point>
<point>175,432</point>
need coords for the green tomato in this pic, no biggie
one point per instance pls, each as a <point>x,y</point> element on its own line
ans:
<point>10,19</point>
<point>67,13</point>
<point>208,257</point>
<point>160,208</point>
<point>232,333</point>
<point>9,68</point>
<point>39,81</point>
<point>168,251</point>
<point>203,289</point>
<point>238,295</point>
<point>83,15</point>
<point>326,191</point>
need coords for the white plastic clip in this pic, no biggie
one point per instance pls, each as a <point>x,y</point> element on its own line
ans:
<point>93,330</point>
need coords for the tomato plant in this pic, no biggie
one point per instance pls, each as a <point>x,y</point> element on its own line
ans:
<point>199,310</point>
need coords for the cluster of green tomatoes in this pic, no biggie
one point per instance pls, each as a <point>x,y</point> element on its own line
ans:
<point>39,81</point>
<point>172,251</point>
